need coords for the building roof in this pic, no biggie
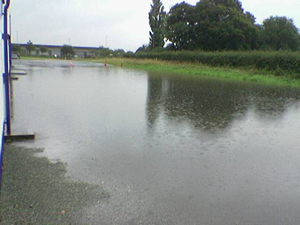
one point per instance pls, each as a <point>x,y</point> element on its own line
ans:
<point>59,46</point>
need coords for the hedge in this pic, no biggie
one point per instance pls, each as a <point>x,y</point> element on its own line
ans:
<point>280,61</point>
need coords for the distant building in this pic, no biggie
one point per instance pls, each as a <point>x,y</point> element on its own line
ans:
<point>54,51</point>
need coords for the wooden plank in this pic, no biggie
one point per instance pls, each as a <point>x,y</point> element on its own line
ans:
<point>18,72</point>
<point>18,137</point>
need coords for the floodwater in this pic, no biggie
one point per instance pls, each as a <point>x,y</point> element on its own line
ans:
<point>169,149</point>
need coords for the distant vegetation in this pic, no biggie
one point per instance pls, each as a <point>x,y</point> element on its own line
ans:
<point>217,25</point>
<point>107,52</point>
<point>65,51</point>
<point>221,33</point>
<point>30,47</point>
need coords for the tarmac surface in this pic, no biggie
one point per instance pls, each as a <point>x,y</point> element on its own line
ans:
<point>36,191</point>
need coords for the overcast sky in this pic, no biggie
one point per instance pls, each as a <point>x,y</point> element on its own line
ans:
<point>115,23</point>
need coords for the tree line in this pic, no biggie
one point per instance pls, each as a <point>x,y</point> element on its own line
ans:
<point>30,47</point>
<point>67,51</point>
<point>217,25</point>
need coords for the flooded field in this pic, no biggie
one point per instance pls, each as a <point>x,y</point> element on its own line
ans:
<point>168,149</point>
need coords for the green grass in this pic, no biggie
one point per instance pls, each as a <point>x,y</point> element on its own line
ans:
<point>251,75</point>
<point>37,57</point>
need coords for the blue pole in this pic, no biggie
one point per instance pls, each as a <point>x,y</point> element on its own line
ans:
<point>6,77</point>
<point>10,53</point>
<point>6,67</point>
<point>1,161</point>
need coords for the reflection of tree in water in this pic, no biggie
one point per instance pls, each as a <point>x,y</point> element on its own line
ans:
<point>153,100</point>
<point>273,101</point>
<point>212,104</point>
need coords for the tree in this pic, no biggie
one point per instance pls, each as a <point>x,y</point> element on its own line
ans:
<point>180,26</point>
<point>280,33</point>
<point>30,47</point>
<point>105,52</point>
<point>223,25</point>
<point>119,52</point>
<point>95,52</point>
<point>43,50</point>
<point>16,49</point>
<point>67,51</point>
<point>157,21</point>
<point>143,48</point>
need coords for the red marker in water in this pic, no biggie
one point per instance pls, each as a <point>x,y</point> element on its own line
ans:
<point>71,64</point>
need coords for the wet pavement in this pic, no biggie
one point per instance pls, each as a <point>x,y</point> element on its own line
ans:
<point>166,149</point>
<point>36,191</point>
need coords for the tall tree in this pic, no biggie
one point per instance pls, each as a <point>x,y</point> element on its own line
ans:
<point>180,26</point>
<point>223,25</point>
<point>280,33</point>
<point>30,47</point>
<point>157,21</point>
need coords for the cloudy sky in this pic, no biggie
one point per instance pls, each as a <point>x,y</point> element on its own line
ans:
<point>112,23</point>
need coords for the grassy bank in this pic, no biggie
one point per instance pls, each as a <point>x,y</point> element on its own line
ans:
<point>36,57</point>
<point>185,68</point>
<point>280,63</point>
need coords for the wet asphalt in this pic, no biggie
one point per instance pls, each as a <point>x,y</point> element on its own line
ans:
<point>37,191</point>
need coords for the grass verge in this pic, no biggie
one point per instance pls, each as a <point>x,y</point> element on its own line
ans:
<point>252,75</point>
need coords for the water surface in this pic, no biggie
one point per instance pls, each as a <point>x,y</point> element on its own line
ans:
<point>169,149</point>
